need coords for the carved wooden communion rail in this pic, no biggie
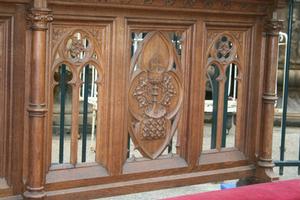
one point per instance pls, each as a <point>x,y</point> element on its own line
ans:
<point>150,66</point>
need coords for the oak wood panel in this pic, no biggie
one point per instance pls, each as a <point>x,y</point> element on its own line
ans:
<point>168,26</point>
<point>4,96</point>
<point>5,139</point>
<point>18,102</point>
<point>112,174</point>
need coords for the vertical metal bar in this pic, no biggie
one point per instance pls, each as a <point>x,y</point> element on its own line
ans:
<point>133,48</point>
<point>235,83</point>
<point>225,107</point>
<point>215,97</point>
<point>286,84</point>
<point>230,79</point>
<point>299,157</point>
<point>85,112</point>
<point>133,44</point>
<point>128,146</point>
<point>170,147</point>
<point>62,85</point>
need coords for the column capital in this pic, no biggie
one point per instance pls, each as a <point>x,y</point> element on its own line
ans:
<point>39,18</point>
<point>273,26</point>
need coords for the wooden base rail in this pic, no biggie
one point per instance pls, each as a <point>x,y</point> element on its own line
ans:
<point>126,187</point>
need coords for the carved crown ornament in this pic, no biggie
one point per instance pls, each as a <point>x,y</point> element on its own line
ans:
<point>39,18</point>
<point>155,95</point>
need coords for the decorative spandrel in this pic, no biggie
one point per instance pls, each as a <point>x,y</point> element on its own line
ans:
<point>155,95</point>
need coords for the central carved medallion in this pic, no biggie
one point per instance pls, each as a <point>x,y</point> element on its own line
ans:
<point>155,95</point>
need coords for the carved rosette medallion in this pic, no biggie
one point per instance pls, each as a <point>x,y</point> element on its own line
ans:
<point>39,18</point>
<point>155,95</point>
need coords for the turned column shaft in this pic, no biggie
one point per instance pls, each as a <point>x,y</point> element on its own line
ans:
<point>39,18</point>
<point>37,110</point>
<point>265,165</point>
<point>270,96</point>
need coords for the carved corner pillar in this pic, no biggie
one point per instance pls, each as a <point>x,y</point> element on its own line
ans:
<point>265,164</point>
<point>38,17</point>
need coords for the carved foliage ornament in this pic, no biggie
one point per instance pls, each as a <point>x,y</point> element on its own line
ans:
<point>155,95</point>
<point>39,18</point>
<point>272,27</point>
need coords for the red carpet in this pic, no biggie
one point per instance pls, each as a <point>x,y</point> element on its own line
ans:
<point>281,190</point>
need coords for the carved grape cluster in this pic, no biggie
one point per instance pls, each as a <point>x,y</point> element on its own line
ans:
<point>154,129</point>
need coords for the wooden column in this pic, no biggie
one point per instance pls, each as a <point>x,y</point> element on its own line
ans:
<point>265,165</point>
<point>39,17</point>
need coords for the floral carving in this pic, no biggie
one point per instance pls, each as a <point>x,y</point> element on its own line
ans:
<point>272,27</point>
<point>210,36</point>
<point>238,36</point>
<point>79,46</point>
<point>208,3</point>
<point>39,19</point>
<point>148,1</point>
<point>76,47</point>
<point>57,34</point>
<point>226,3</point>
<point>189,3</point>
<point>220,5</point>
<point>169,2</point>
<point>154,93</point>
<point>224,48</point>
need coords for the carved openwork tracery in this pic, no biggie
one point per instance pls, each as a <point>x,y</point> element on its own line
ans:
<point>155,95</point>
<point>79,52</point>
<point>224,68</point>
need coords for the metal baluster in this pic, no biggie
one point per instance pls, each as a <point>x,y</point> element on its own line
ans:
<point>170,147</point>
<point>215,97</point>
<point>299,157</point>
<point>286,84</point>
<point>62,85</point>
<point>235,83</point>
<point>225,106</point>
<point>134,45</point>
<point>128,146</point>
<point>85,113</point>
